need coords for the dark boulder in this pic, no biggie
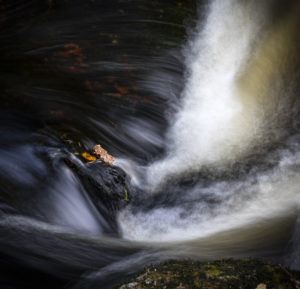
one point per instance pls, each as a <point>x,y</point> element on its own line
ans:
<point>108,187</point>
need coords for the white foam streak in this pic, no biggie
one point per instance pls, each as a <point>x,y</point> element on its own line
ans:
<point>71,206</point>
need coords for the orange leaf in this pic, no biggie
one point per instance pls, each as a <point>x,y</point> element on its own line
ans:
<point>122,90</point>
<point>88,157</point>
<point>103,154</point>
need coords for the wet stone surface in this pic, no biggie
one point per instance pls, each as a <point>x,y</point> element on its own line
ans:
<point>246,274</point>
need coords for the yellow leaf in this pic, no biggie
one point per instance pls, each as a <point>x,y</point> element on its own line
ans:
<point>88,156</point>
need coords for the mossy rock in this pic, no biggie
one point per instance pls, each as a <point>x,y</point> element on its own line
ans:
<point>242,274</point>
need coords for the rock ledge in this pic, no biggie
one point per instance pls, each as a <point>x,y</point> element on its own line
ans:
<point>246,273</point>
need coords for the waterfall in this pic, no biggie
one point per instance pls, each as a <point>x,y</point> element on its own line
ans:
<point>238,103</point>
<point>237,97</point>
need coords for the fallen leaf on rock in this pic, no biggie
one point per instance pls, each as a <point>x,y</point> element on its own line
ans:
<point>88,157</point>
<point>101,153</point>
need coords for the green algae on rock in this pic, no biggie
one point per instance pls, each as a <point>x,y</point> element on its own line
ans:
<point>245,274</point>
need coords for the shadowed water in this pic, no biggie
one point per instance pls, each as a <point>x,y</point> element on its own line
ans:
<point>198,105</point>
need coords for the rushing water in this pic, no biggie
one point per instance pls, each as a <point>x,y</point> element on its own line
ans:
<point>201,111</point>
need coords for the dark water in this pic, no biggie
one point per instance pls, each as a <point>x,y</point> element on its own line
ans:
<point>78,73</point>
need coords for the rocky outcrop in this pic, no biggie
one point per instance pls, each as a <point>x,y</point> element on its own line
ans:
<point>108,187</point>
<point>245,274</point>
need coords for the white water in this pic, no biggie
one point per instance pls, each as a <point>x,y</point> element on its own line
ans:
<point>256,199</point>
<point>236,102</point>
<point>229,101</point>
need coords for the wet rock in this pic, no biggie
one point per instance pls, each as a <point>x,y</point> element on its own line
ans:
<point>109,182</point>
<point>246,274</point>
<point>108,187</point>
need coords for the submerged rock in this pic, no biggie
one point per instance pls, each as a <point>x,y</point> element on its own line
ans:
<point>245,274</point>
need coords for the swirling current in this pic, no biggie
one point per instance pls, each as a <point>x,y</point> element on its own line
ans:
<point>198,101</point>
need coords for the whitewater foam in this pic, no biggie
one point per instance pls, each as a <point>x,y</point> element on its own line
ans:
<point>236,101</point>
<point>229,101</point>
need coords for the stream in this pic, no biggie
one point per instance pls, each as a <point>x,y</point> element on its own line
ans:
<point>198,102</point>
